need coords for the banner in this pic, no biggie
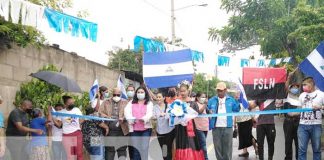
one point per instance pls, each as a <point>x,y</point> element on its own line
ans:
<point>166,69</point>
<point>264,83</point>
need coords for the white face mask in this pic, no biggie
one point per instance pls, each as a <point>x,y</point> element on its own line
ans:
<point>202,100</point>
<point>116,99</point>
<point>130,94</point>
<point>106,95</point>
<point>141,96</point>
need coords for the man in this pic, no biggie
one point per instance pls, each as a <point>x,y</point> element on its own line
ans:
<point>17,130</point>
<point>265,127</point>
<point>114,108</point>
<point>172,95</point>
<point>222,126</point>
<point>57,146</point>
<point>130,91</point>
<point>291,121</point>
<point>310,124</point>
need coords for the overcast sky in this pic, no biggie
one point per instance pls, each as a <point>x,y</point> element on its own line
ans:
<point>120,21</point>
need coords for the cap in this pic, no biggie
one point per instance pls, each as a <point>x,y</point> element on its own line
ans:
<point>221,86</point>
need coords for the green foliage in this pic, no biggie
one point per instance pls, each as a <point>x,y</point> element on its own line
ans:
<point>281,27</point>
<point>43,94</point>
<point>125,60</point>
<point>54,4</point>
<point>204,86</point>
<point>21,35</point>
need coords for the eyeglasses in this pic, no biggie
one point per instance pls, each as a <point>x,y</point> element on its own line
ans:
<point>116,95</point>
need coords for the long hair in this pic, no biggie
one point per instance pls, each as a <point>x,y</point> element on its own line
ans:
<point>198,95</point>
<point>147,96</point>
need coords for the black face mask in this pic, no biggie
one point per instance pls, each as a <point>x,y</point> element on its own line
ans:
<point>71,106</point>
<point>172,93</point>
<point>29,111</point>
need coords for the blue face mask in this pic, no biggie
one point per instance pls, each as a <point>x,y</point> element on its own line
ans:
<point>294,90</point>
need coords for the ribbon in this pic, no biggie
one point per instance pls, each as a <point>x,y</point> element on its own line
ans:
<point>59,114</point>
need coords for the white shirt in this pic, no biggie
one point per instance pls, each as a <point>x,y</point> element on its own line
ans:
<point>95,101</point>
<point>308,100</point>
<point>56,132</point>
<point>243,118</point>
<point>71,124</point>
<point>221,120</point>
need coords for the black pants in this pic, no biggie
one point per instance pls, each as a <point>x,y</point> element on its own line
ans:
<point>269,131</point>
<point>166,141</point>
<point>290,127</point>
<point>117,143</point>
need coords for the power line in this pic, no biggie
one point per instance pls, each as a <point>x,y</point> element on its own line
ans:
<point>156,8</point>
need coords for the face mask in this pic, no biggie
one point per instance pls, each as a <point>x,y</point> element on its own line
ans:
<point>171,93</point>
<point>116,99</point>
<point>140,96</point>
<point>202,100</point>
<point>294,90</point>
<point>29,111</point>
<point>130,94</point>
<point>106,95</point>
<point>306,89</point>
<point>71,106</point>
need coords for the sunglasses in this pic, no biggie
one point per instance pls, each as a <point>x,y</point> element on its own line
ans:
<point>116,95</point>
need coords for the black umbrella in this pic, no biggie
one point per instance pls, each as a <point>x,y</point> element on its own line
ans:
<point>58,79</point>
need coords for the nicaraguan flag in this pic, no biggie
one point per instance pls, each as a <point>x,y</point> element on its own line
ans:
<point>313,66</point>
<point>121,86</point>
<point>243,99</point>
<point>165,69</point>
<point>93,91</point>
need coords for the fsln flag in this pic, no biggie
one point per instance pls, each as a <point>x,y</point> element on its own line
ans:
<point>166,69</point>
<point>93,90</point>
<point>243,99</point>
<point>121,86</point>
<point>313,66</point>
<point>264,83</point>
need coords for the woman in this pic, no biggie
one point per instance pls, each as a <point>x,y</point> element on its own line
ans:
<point>202,123</point>
<point>39,145</point>
<point>245,125</point>
<point>187,143</point>
<point>138,113</point>
<point>165,133</point>
<point>101,96</point>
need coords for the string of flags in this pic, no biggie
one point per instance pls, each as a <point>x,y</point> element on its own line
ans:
<point>154,46</point>
<point>225,61</point>
<point>29,14</point>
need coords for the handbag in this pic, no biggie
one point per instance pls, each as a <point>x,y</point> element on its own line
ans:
<point>235,133</point>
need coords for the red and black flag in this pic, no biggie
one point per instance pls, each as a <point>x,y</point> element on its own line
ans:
<point>264,83</point>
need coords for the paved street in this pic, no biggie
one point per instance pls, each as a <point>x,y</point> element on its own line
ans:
<point>279,146</point>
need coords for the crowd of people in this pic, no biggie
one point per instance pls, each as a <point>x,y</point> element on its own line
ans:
<point>133,121</point>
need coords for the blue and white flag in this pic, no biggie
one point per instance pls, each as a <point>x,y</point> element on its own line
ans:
<point>93,91</point>
<point>313,66</point>
<point>243,100</point>
<point>121,86</point>
<point>166,69</point>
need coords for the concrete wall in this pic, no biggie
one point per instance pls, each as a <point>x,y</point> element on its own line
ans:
<point>17,63</point>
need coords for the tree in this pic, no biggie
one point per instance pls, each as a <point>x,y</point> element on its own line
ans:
<point>127,59</point>
<point>202,85</point>
<point>43,94</point>
<point>58,5</point>
<point>281,27</point>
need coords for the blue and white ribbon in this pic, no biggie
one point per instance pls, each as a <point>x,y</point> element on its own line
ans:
<point>177,109</point>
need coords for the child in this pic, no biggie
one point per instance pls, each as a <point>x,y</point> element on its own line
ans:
<point>39,145</point>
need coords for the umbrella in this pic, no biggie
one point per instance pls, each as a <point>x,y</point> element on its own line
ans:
<point>58,79</point>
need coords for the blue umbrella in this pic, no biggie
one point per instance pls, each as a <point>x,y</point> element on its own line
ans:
<point>58,79</point>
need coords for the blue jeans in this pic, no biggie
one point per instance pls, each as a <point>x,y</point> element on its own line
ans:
<point>96,152</point>
<point>202,135</point>
<point>306,133</point>
<point>58,150</point>
<point>140,141</point>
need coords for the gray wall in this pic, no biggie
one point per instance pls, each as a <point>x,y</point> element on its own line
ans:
<point>17,63</point>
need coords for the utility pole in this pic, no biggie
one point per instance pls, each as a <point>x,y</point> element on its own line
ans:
<point>172,23</point>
